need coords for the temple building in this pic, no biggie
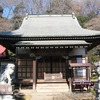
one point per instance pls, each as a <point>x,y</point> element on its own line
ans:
<point>51,49</point>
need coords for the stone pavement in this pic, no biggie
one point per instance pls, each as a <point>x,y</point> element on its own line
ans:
<point>63,96</point>
<point>31,95</point>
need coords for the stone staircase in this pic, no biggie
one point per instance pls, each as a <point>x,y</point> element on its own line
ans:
<point>52,87</point>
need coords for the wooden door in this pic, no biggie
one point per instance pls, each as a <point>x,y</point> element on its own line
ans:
<point>51,65</point>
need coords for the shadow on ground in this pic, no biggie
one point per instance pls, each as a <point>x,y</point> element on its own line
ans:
<point>21,96</point>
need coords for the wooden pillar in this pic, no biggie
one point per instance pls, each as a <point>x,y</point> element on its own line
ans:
<point>34,74</point>
<point>67,74</point>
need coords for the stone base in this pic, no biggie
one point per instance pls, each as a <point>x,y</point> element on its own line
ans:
<point>6,97</point>
<point>6,89</point>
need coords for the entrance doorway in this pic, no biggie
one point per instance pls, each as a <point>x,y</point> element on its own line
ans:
<point>51,64</point>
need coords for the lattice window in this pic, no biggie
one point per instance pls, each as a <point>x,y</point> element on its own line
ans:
<point>25,68</point>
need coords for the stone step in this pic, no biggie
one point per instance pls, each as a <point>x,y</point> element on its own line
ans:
<point>52,87</point>
<point>52,90</point>
<point>45,85</point>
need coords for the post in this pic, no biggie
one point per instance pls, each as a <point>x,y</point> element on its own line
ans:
<point>97,87</point>
<point>70,84</point>
<point>67,73</point>
<point>34,74</point>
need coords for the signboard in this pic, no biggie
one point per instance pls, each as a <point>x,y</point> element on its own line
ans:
<point>53,77</point>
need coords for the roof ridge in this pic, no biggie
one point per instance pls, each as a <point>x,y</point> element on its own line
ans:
<point>50,15</point>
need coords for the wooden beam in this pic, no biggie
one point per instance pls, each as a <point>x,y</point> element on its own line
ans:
<point>34,74</point>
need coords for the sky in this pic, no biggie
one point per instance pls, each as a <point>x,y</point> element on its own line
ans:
<point>6,13</point>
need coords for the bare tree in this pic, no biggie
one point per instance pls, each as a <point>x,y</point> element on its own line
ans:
<point>59,6</point>
<point>19,10</point>
<point>10,4</point>
<point>90,6</point>
<point>38,6</point>
<point>76,7</point>
<point>47,6</point>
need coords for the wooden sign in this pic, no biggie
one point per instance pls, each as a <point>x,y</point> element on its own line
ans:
<point>53,77</point>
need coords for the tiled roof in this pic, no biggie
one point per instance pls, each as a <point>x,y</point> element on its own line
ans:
<point>51,25</point>
<point>53,42</point>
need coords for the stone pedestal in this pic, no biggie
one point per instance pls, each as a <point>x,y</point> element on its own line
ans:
<point>6,92</point>
<point>6,97</point>
<point>6,89</point>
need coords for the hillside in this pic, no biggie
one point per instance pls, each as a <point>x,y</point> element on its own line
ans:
<point>94,23</point>
<point>5,25</point>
